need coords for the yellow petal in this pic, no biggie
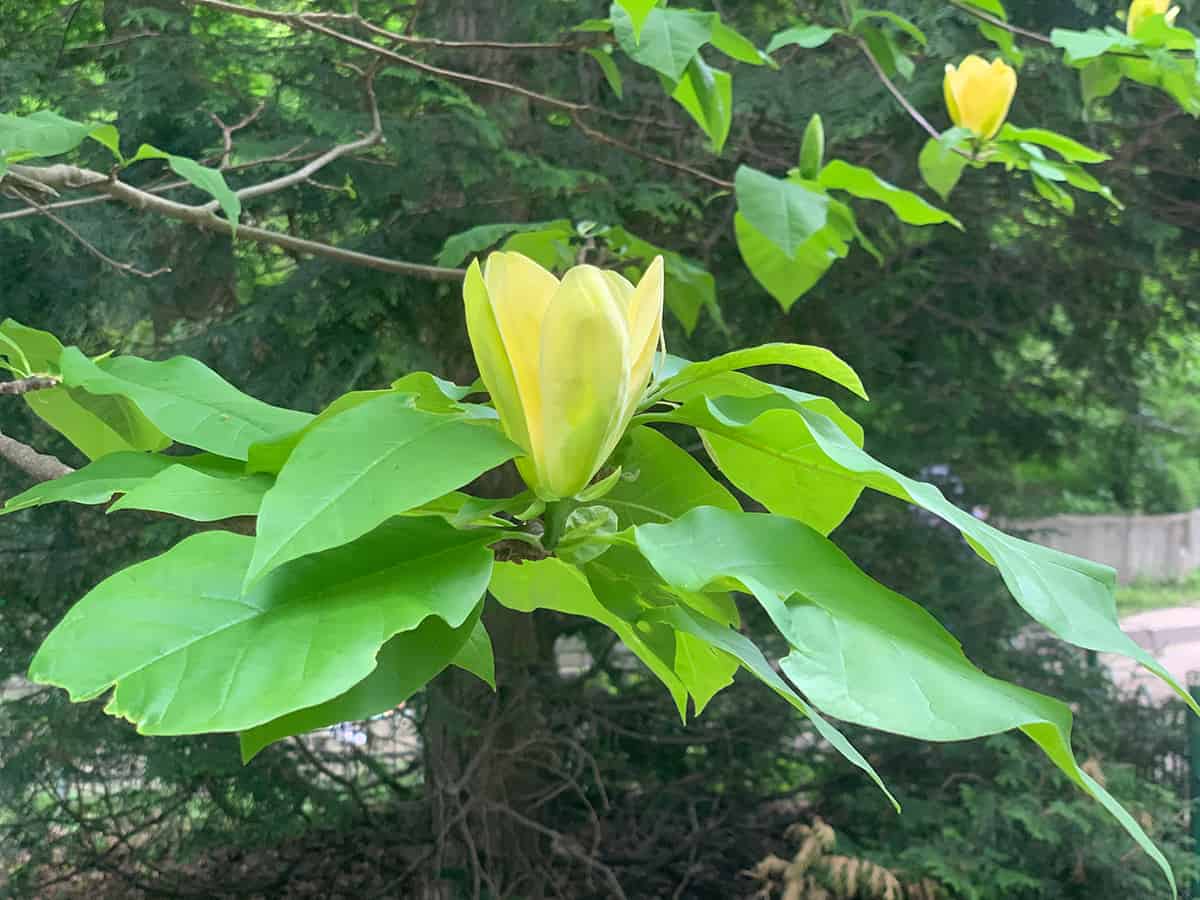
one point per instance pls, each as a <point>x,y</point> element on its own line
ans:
<point>1141,10</point>
<point>491,358</point>
<point>645,335</point>
<point>520,292</point>
<point>948,85</point>
<point>645,321</point>
<point>584,379</point>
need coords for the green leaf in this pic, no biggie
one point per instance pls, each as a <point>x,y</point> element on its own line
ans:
<point>861,652</point>
<point>1002,38</point>
<point>555,585</point>
<point>603,58</point>
<point>786,213</point>
<point>707,94</point>
<point>807,36</point>
<point>39,350</point>
<point>941,167</point>
<point>704,669</point>
<point>1099,78</point>
<point>812,149</point>
<point>189,652</point>
<point>550,247</point>
<point>427,392</point>
<point>1068,148</point>
<point>459,247</point>
<point>902,24</point>
<point>370,463</point>
<point>737,46</point>
<point>662,481</point>
<point>180,490</point>
<point>995,7</point>
<point>762,444</point>
<point>637,10</point>
<point>865,184</point>
<point>1071,597</point>
<point>788,279</point>
<point>753,661</point>
<point>586,534</point>
<point>41,134</point>
<point>801,356</point>
<point>95,483</point>
<point>210,181</point>
<point>96,425</point>
<point>1081,46</point>
<point>668,40</point>
<point>185,399</point>
<point>405,664</point>
<point>477,657</point>
<point>109,137</point>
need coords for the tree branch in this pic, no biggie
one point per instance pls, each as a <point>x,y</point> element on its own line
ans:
<point>1000,23</point>
<point>40,466</point>
<point>66,177</point>
<point>25,385</point>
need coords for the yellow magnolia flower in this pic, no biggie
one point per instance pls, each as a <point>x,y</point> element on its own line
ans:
<point>978,95</point>
<point>1141,10</point>
<point>565,362</point>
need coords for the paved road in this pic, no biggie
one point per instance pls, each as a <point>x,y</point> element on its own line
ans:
<point>1173,636</point>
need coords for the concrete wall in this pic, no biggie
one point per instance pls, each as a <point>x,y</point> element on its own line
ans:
<point>1157,548</point>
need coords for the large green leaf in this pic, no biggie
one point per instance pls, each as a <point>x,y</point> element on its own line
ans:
<point>40,349</point>
<point>784,211</point>
<point>372,462</point>
<point>662,481</point>
<point>801,356</point>
<point>1081,46</point>
<point>1068,148</point>
<point>726,639</point>
<point>180,490</point>
<point>637,10</point>
<point>556,585</point>
<point>404,665</point>
<point>737,46</point>
<point>188,651</point>
<point>96,425</point>
<point>45,133</point>
<point>477,656</point>
<point>865,184</point>
<point>184,398</point>
<point>788,279</point>
<point>669,38</point>
<point>859,651</point>
<point>95,483</point>
<point>707,94</point>
<point>940,165</point>
<point>427,392</point>
<point>1072,597</point>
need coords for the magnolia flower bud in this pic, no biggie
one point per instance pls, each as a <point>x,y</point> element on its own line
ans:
<point>978,95</point>
<point>566,363</point>
<point>1141,10</point>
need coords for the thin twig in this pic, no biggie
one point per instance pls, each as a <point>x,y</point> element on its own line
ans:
<point>125,39</point>
<point>227,131</point>
<point>74,178</point>
<point>1000,23</point>
<point>652,157</point>
<point>124,268</point>
<point>895,91</point>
